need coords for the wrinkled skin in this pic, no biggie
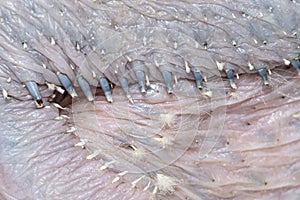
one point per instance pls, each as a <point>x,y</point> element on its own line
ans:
<point>235,144</point>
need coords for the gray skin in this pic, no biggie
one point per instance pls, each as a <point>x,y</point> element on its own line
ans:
<point>205,140</point>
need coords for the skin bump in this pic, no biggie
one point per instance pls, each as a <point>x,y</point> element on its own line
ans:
<point>211,138</point>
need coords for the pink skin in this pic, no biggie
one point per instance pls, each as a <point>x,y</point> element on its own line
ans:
<point>236,144</point>
<point>254,156</point>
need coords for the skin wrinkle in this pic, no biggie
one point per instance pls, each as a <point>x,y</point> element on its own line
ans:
<point>194,160</point>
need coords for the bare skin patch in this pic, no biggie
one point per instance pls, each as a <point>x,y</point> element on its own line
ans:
<point>155,118</point>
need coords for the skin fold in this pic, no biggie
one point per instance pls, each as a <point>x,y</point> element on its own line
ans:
<point>175,140</point>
